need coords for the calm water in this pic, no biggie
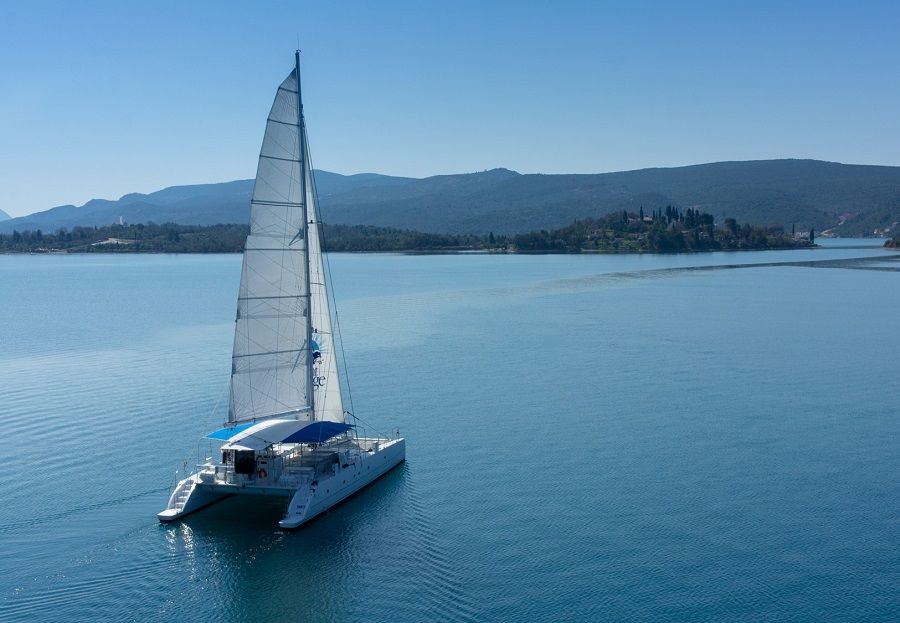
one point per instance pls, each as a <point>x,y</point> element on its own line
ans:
<point>589,438</point>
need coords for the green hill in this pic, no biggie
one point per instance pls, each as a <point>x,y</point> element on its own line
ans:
<point>806,192</point>
<point>852,199</point>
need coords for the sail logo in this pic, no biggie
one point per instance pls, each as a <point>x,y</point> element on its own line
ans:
<point>317,379</point>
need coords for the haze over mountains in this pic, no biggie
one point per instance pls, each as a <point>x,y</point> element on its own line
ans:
<point>856,199</point>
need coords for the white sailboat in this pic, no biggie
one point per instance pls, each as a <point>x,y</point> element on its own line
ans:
<point>287,432</point>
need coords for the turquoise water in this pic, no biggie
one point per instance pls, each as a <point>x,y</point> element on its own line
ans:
<point>589,438</point>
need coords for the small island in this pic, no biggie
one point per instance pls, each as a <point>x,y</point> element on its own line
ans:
<point>669,231</point>
<point>663,231</point>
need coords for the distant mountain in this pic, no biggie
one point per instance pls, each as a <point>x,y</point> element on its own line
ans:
<point>4,216</point>
<point>205,204</point>
<point>198,204</point>
<point>806,192</point>
<point>809,193</point>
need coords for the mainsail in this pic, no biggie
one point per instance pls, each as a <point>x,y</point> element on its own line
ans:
<point>283,361</point>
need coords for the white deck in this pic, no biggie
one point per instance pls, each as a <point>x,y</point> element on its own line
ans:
<point>315,479</point>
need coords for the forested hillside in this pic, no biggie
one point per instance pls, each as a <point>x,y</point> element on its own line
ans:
<point>666,231</point>
<point>851,200</point>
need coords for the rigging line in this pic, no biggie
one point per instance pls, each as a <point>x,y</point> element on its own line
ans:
<point>206,427</point>
<point>370,426</point>
<point>337,319</point>
<point>215,408</point>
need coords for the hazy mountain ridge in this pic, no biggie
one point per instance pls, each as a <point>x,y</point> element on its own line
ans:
<point>197,204</point>
<point>810,193</point>
<point>4,216</point>
<point>806,192</point>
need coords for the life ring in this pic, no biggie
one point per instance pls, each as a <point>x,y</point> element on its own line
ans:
<point>263,473</point>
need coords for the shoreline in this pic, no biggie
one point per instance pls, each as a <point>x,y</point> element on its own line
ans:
<point>448,251</point>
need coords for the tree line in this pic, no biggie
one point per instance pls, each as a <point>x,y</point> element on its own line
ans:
<point>671,230</point>
<point>668,230</point>
<point>173,238</point>
<point>139,238</point>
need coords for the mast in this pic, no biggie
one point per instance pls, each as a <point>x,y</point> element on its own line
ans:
<point>301,137</point>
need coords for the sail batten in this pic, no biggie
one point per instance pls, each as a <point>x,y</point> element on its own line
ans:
<point>296,125</point>
<point>278,158</point>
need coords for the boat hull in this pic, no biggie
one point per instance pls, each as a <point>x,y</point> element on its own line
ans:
<point>307,500</point>
<point>347,482</point>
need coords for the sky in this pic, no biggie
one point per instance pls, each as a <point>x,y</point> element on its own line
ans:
<point>99,99</point>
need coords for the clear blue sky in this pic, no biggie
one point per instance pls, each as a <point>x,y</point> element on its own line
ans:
<point>103,98</point>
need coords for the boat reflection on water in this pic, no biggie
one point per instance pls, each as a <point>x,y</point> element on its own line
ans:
<point>266,573</point>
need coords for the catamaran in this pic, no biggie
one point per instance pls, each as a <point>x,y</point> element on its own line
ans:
<point>287,432</point>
